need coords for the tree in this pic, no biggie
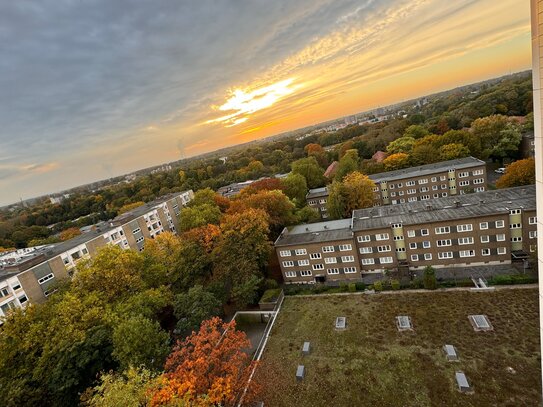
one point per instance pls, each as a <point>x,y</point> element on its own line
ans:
<point>278,207</point>
<point>195,216</point>
<point>307,214</point>
<point>453,151</point>
<point>424,154</point>
<point>488,128</point>
<point>401,145</point>
<point>139,341</point>
<point>194,306</point>
<point>355,192</point>
<point>69,233</point>
<point>204,196</point>
<point>521,172</point>
<point>396,161</point>
<point>316,150</point>
<point>429,278</point>
<point>208,368</point>
<point>310,170</point>
<point>266,184</point>
<point>131,388</point>
<point>347,164</point>
<point>295,187</point>
<point>508,143</point>
<point>416,131</point>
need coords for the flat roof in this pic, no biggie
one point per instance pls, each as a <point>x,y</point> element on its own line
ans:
<point>449,208</point>
<point>458,164</point>
<point>316,192</point>
<point>315,232</point>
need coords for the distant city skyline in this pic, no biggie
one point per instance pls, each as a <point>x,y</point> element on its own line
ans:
<point>109,88</point>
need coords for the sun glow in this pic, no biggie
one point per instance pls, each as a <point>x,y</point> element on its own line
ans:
<point>243,103</point>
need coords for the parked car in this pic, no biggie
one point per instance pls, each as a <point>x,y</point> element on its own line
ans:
<point>500,170</point>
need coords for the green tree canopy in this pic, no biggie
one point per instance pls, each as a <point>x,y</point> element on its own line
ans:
<point>310,170</point>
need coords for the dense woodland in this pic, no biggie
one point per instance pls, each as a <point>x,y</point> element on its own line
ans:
<point>141,329</point>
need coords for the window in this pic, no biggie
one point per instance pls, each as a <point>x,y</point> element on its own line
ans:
<point>463,174</point>
<point>303,262</point>
<point>434,179</point>
<point>328,249</point>
<point>442,230</point>
<point>22,299</point>
<point>409,183</point>
<point>84,250</point>
<point>381,236</point>
<point>424,189</point>
<point>435,187</point>
<point>318,266</point>
<point>305,273</point>
<point>514,211</point>
<point>465,240</point>
<point>425,197</point>
<point>347,259</point>
<point>478,172</point>
<point>400,185</point>
<point>396,225</point>
<point>367,262</point>
<point>444,242</point>
<point>366,250</point>
<point>500,223</point>
<point>532,220</point>
<point>478,181</point>
<point>412,245</point>
<point>445,255</point>
<point>426,244</point>
<point>427,256</point>
<point>4,292</point>
<point>348,270</point>
<point>443,194</point>
<point>515,226</point>
<point>502,250</point>
<point>424,232</point>
<point>485,252</point>
<point>46,278</point>
<point>400,249</point>
<point>330,260</point>
<point>442,177</point>
<point>423,181</point>
<point>483,225</point>
<point>412,199</point>
<point>411,191</point>
<point>16,286</point>
<point>500,238</point>
<point>290,274</point>
<point>284,253</point>
<point>533,234</point>
<point>385,260</point>
<point>288,263</point>
<point>345,247</point>
<point>463,183</point>
<point>465,228</point>
<point>137,230</point>
<point>66,260</point>
<point>410,233</point>
<point>485,239</point>
<point>467,253</point>
<point>300,252</point>
<point>315,256</point>
<point>516,239</point>
<point>382,249</point>
<point>365,238</point>
<point>333,271</point>
<point>480,189</point>
<point>140,239</point>
<point>414,257</point>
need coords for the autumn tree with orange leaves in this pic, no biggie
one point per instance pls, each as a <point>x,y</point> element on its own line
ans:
<point>208,368</point>
<point>521,172</point>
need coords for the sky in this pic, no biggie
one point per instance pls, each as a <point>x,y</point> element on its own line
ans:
<point>94,89</point>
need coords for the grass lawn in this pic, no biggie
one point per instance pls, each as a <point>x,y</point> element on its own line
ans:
<point>370,363</point>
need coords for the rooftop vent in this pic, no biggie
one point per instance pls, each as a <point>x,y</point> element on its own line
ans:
<point>404,323</point>
<point>457,204</point>
<point>341,322</point>
<point>326,226</point>
<point>306,348</point>
<point>480,323</point>
<point>300,373</point>
<point>462,381</point>
<point>428,207</point>
<point>450,353</point>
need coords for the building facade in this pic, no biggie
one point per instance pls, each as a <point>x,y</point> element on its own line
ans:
<point>489,228</point>
<point>29,275</point>
<point>447,178</point>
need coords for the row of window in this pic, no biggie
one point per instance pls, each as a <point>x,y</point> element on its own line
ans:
<point>328,260</point>
<point>325,249</point>
<point>331,271</point>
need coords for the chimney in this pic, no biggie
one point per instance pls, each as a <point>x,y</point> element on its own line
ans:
<point>457,204</point>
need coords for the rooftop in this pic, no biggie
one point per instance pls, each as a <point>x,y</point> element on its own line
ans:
<point>317,192</point>
<point>427,169</point>
<point>315,232</point>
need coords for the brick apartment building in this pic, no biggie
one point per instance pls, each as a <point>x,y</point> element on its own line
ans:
<point>488,228</point>
<point>27,275</point>
<point>446,178</point>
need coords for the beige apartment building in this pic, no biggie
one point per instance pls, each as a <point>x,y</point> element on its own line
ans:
<point>28,275</point>
<point>489,228</point>
<point>422,183</point>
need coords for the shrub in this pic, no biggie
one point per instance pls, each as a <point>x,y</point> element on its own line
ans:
<point>430,282</point>
<point>343,287</point>
<point>352,287</point>
<point>417,283</point>
<point>320,288</point>
<point>395,284</point>
<point>512,279</point>
<point>378,285</point>
<point>360,286</point>
<point>270,284</point>
<point>270,295</point>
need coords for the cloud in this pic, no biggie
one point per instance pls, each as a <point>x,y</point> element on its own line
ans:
<point>9,171</point>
